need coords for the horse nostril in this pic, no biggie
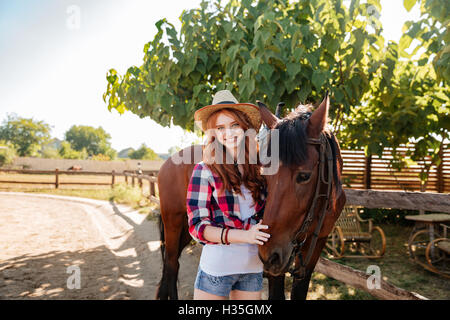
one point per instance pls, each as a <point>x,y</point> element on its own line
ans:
<point>274,259</point>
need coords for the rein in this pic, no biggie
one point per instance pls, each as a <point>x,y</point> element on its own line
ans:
<point>325,155</point>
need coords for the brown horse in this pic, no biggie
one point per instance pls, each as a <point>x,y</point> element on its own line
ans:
<point>287,205</point>
<point>303,204</point>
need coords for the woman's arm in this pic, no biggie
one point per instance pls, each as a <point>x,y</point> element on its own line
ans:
<point>252,235</point>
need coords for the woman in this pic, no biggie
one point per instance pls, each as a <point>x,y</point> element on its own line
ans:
<point>225,203</point>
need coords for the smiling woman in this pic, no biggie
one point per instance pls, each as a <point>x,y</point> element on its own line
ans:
<point>229,265</point>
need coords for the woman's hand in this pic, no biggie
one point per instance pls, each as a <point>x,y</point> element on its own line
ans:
<point>255,236</point>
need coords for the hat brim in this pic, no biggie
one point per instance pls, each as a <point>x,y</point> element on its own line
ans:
<point>252,111</point>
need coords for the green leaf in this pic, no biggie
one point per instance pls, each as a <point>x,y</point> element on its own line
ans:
<point>266,70</point>
<point>408,4</point>
<point>293,69</point>
<point>232,51</point>
<point>318,79</point>
<point>298,53</point>
<point>159,23</point>
<point>305,90</point>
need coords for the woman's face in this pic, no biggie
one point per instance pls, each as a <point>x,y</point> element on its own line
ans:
<point>228,131</point>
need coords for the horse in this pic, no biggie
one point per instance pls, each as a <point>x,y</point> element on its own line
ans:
<point>75,168</point>
<point>305,197</point>
<point>282,217</point>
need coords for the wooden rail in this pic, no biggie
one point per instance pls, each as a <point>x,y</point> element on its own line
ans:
<point>58,172</point>
<point>359,279</point>
<point>151,178</point>
<point>427,201</point>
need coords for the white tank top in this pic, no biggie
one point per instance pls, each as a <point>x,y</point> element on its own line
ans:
<point>235,258</point>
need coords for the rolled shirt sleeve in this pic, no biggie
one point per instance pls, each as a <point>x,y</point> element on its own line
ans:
<point>198,203</point>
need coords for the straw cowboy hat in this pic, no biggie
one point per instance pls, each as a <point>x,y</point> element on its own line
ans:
<point>225,99</point>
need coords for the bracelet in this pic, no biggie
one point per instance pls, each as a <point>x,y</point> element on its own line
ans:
<point>221,236</point>
<point>226,236</point>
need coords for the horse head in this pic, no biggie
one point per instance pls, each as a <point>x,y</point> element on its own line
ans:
<point>293,188</point>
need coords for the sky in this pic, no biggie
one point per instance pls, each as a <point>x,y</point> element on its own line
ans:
<point>54,56</point>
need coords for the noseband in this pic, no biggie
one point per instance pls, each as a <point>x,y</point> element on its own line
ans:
<point>325,154</point>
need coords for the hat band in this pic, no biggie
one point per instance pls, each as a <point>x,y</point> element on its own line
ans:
<point>227,102</point>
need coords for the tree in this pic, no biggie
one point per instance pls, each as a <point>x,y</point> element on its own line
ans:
<point>94,140</point>
<point>101,157</point>
<point>50,153</point>
<point>66,152</point>
<point>431,33</point>
<point>409,101</point>
<point>173,149</point>
<point>27,135</point>
<point>275,50</point>
<point>7,152</point>
<point>143,153</point>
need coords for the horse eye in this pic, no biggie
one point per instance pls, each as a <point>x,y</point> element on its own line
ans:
<point>303,177</point>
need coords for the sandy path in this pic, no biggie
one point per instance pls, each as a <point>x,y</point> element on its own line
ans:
<point>115,248</point>
<point>40,239</point>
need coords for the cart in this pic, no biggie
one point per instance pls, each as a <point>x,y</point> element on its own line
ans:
<point>427,245</point>
<point>350,234</point>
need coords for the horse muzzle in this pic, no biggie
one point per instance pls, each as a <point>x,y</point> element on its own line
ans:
<point>278,261</point>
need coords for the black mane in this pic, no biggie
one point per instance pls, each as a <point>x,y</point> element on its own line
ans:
<point>293,139</point>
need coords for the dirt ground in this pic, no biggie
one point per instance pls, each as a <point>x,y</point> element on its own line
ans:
<point>115,248</point>
<point>40,239</point>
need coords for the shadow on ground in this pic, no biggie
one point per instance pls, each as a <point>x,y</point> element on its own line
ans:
<point>46,276</point>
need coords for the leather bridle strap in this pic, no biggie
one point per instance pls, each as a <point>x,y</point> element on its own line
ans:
<point>325,154</point>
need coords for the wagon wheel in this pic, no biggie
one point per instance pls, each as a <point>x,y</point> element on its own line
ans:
<point>417,245</point>
<point>335,245</point>
<point>376,247</point>
<point>438,262</point>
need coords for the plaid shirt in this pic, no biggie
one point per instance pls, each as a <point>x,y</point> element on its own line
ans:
<point>206,207</point>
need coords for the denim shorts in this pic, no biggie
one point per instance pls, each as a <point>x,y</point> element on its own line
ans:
<point>223,285</point>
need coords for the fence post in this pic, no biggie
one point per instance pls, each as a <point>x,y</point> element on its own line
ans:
<point>132,179</point>
<point>367,172</point>
<point>440,172</point>
<point>152,187</point>
<point>113,179</point>
<point>126,177</point>
<point>56,178</point>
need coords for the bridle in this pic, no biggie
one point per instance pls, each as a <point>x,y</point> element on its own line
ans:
<point>325,155</point>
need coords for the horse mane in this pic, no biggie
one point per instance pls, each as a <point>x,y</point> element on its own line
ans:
<point>293,139</point>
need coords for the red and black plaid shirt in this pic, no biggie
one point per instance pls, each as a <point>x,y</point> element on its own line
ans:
<point>205,206</point>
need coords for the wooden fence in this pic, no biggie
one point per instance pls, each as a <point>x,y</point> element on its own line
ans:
<point>56,182</point>
<point>361,172</point>
<point>151,177</point>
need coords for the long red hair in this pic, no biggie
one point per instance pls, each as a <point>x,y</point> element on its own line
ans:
<point>228,172</point>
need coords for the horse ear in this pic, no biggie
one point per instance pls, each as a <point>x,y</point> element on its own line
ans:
<point>267,116</point>
<point>319,118</point>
